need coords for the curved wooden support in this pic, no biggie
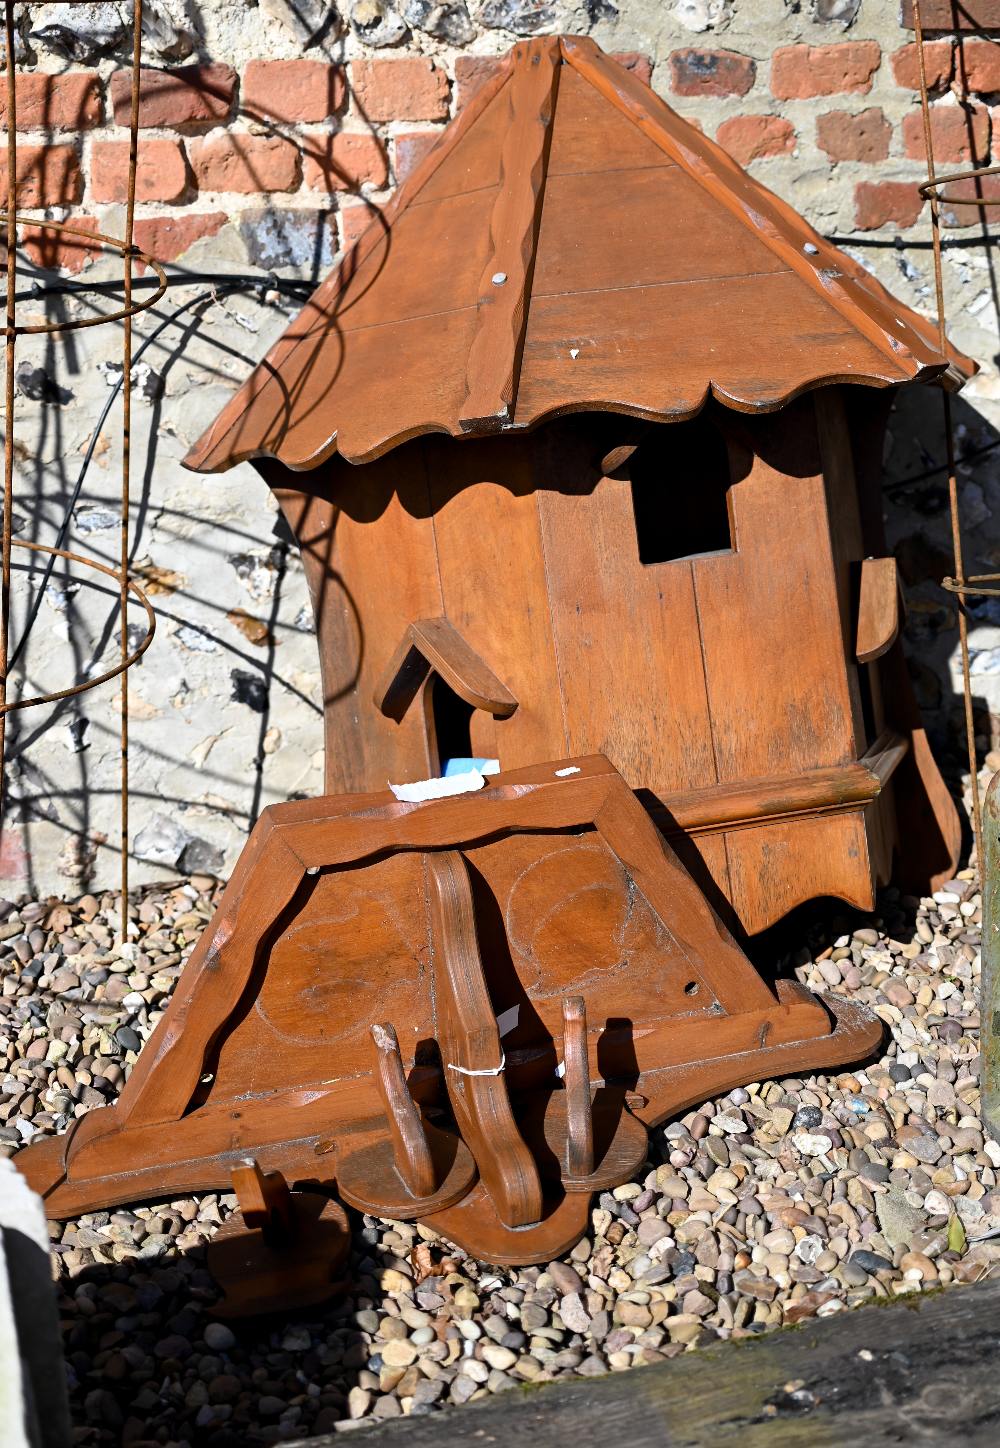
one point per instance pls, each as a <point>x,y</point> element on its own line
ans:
<point>579,1159</point>
<point>414,1168</point>
<point>475,1225</point>
<point>414,1162</point>
<point>471,1050</point>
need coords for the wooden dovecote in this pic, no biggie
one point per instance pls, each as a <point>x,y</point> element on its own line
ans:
<point>580,443</point>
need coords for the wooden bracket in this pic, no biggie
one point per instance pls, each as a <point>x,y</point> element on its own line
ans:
<point>549,887</point>
<point>435,644</point>
<point>471,1050</point>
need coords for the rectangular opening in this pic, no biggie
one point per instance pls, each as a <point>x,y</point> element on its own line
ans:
<point>680,478</point>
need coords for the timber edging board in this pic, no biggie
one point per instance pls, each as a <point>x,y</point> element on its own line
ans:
<point>918,1369</point>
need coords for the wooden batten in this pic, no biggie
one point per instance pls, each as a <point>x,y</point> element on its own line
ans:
<point>620,280</point>
<point>505,289</point>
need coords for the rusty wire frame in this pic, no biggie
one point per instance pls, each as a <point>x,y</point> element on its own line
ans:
<point>10,219</point>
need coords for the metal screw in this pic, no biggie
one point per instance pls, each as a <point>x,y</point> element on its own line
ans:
<point>499,278</point>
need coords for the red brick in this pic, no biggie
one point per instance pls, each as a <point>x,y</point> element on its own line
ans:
<point>886,203</point>
<point>979,66</point>
<point>190,95</point>
<point>46,176</point>
<point>472,72</point>
<point>748,138</point>
<point>161,174</point>
<point>799,71</point>
<point>238,161</point>
<point>953,213</point>
<point>711,73</point>
<point>411,148</point>
<point>400,90</point>
<point>864,136</point>
<point>291,91</point>
<point>344,161</point>
<point>639,64</point>
<point>168,237</point>
<point>354,220</point>
<point>56,102</point>
<point>15,861</point>
<point>961,134</point>
<point>61,250</point>
<point>938,57</point>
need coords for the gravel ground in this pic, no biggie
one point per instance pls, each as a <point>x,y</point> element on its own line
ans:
<point>789,1199</point>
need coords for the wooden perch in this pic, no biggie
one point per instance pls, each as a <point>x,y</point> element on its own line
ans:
<point>878,609</point>
<point>434,644</point>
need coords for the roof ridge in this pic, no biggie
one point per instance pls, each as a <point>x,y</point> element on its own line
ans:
<point>815,261</point>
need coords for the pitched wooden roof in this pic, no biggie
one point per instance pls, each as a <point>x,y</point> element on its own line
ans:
<point>570,243</point>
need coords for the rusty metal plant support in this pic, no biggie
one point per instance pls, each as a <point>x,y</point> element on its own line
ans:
<point>989,1009</point>
<point>10,219</point>
<point>959,584</point>
<point>985,816</point>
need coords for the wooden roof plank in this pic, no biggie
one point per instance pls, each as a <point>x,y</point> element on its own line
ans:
<point>210,453</point>
<point>858,297</point>
<point>505,288</point>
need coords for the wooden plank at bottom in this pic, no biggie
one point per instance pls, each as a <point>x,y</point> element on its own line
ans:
<point>918,1370</point>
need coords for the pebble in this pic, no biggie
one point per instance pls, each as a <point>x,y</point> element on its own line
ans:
<point>777,1201</point>
<point>566,1279</point>
<point>871,1262</point>
<point>219,1337</point>
<point>812,1143</point>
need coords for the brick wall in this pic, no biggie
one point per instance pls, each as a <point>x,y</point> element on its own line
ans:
<point>310,134</point>
<point>270,132</point>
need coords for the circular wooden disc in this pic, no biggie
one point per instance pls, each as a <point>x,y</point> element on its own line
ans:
<point>368,1178</point>
<point>474,1225</point>
<point>616,1160</point>
<point>258,1278</point>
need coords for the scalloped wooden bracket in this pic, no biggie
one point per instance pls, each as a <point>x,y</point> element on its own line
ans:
<point>549,885</point>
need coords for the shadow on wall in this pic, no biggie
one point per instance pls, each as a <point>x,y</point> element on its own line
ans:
<point>53,482</point>
<point>61,494</point>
